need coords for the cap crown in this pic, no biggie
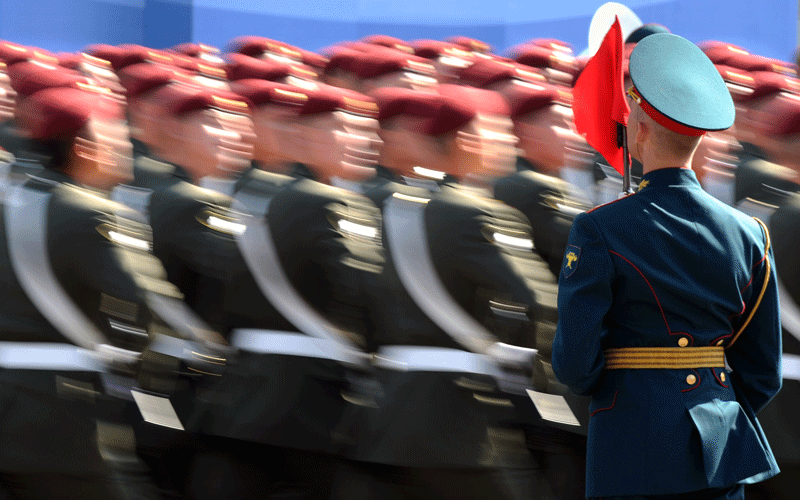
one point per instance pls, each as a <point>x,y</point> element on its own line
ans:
<point>677,79</point>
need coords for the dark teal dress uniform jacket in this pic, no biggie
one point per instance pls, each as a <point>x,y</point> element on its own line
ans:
<point>669,263</point>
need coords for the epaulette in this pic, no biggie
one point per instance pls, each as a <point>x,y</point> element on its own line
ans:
<point>221,219</point>
<point>355,221</point>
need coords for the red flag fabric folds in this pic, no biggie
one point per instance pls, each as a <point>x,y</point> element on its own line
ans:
<point>599,98</point>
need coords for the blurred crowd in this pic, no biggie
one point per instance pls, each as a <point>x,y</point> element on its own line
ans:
<point>400,203</point>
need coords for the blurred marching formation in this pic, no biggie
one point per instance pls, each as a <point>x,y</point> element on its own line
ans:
<point>274,273</point>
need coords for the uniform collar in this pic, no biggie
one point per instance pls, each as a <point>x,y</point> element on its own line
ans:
<point>669,177</point>
<point>140,148</point>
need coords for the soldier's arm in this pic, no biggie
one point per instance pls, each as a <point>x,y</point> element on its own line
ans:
<point>522,290</point>
<point>349,251</point>
<point>584,298</point>
<point>111,256</point>
<point>202,235</point>
<point>755,356</point>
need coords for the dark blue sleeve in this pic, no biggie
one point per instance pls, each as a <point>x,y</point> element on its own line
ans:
<point>584,298</point>
<point>755,356</point>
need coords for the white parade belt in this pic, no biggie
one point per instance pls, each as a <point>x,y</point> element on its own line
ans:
<point>434,359</point>
<point>48,356</point>
<point>293,344</point>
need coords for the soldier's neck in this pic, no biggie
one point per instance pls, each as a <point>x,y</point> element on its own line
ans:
<point>654,159</point>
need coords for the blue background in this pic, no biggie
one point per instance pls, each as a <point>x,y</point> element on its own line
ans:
<point>767,28</point>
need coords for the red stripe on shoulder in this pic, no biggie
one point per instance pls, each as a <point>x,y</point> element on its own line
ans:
<point>609,203</point>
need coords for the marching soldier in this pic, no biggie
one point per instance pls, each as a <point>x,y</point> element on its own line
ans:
<point>436,424</point>
<point>295,310</point>
<point>657,291</point>
<point>542,117</point>
<point>78,279</point>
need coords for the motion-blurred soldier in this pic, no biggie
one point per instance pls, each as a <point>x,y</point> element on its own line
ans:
<point>298,311</point>
<point>198,135</point>
<point>78,283</point>
<point>542,117</point>
<point>185,133</point>
<point>773,191</point>
<point>436,426</point>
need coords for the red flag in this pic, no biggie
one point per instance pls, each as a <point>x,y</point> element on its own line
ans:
<point>599,98</point>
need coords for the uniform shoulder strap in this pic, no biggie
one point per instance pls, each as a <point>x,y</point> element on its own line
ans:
<point>763,286</point>
<point>26,223</point>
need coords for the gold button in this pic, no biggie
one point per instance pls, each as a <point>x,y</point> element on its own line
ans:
<point>722,377</point>
<point>683,342</point>
<point>691,379</point>
<point>720,341</point>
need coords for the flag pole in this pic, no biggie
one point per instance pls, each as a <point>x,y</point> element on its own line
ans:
<point>622,136</point>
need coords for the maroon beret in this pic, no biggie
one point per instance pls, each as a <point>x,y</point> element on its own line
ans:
<point>72,60</point>
<point>766,83</point>
<point>313,59</point>
<point>194,49</point>
<point>390,42</point>
<point>552,44</point>
<point>432,49</point>
<point>30,77</point>
<point>755,63</point>
<point>242,67</point>
<point>527,98</point>
<point>783,115</point>
<point>394,101</point>
<point>543,57</point>
<point>723,53</point>
<point>485,72</point>
<point>735,75</point>
<point>471,44</point>
<point>180,99</point>
<point>327,98</point>
<point>117,56</point>
<point>12,53</point>
<point>256,46</point>
<point>341,57</point>
<point>253,46</point>
<point>199,66</point>
<point>381,62</point>
<point>750,62</point>
<point>461,104</point>
<point>259,92</point>
<point>59,113</point>
<point>127,55</point>
<point>141,78</point>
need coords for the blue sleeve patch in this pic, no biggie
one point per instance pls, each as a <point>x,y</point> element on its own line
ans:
<point>571,258</point>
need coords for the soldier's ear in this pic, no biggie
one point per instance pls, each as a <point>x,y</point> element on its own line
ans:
<point>643,131</point>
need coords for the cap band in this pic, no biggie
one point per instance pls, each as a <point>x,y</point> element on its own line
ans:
<point>662,119</point>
